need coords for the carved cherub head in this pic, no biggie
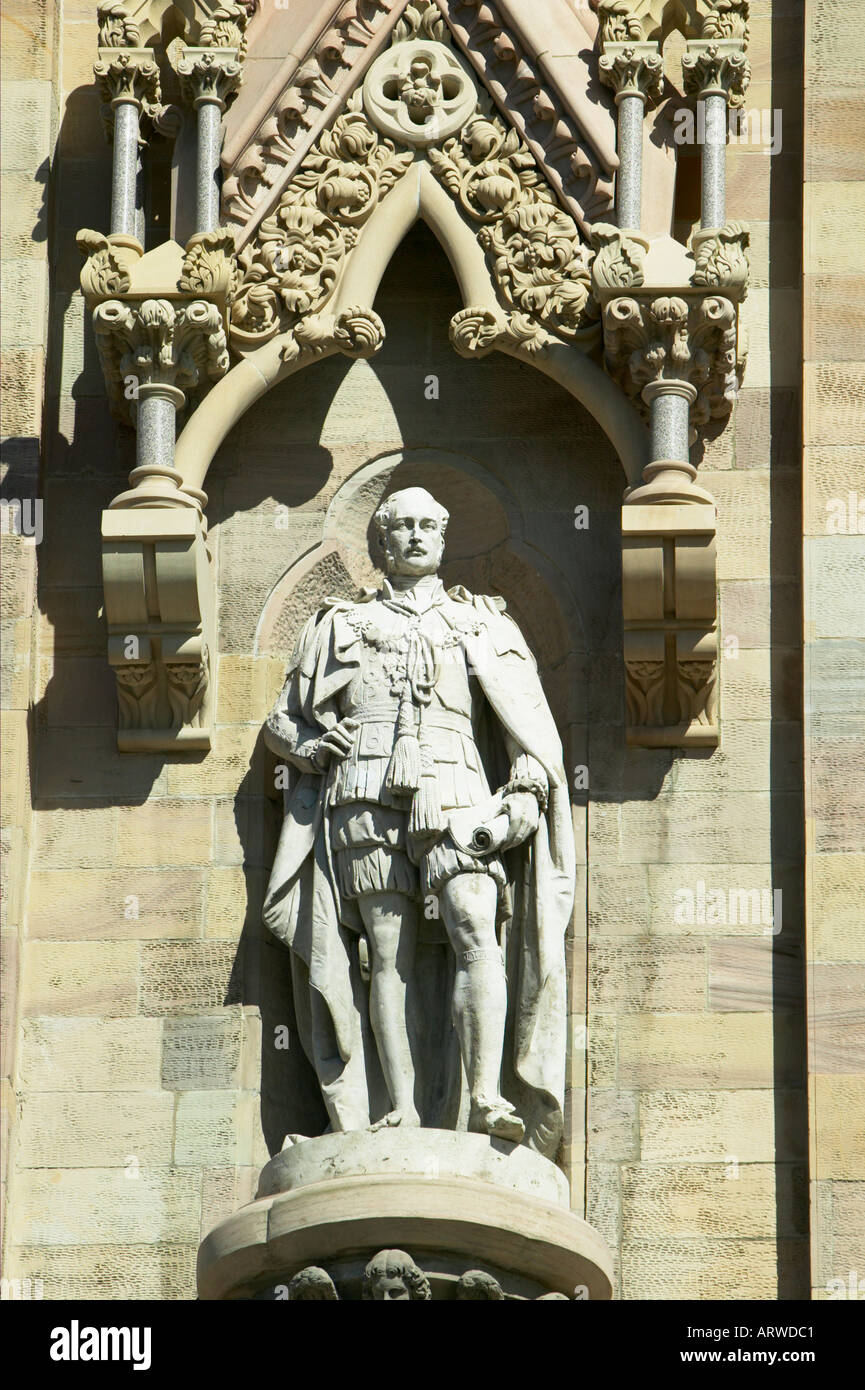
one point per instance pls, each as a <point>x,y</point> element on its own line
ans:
<point>411,527</point>
<point>312,1285</point>
<point>393,1276</point>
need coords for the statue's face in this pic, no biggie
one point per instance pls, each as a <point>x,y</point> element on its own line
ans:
<point>390,1288</point>
<point>414,544</point>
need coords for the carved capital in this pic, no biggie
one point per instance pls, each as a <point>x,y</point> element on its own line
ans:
<point>207,74</point>
<point>670,338</point>
<point>632,69</point>
<point>716,67</point>
<point>158,343</point>
<point>126,75</point>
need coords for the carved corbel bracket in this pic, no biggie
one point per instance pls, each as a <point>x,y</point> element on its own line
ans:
<point>159,608</point>
<point>670,613</point>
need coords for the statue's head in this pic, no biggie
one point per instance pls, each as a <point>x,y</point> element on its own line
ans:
<point>392,1276</point>
<point>411,530</point>
<point>312,1285</point>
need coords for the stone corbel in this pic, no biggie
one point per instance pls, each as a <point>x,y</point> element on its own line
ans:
<point>160,322</point>
<point>670,620</point>
<point>670,323</point>
<point>159,608</point>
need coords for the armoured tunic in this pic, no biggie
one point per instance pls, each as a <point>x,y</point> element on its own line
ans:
<point>413,676</point>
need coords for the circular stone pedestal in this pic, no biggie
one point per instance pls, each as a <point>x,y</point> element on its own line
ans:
<point>478,1217</point>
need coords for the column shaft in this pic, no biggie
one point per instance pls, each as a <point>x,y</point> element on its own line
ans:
<point>714,183</point>
<point>209,117</point>
<point>155,441</point>
<point>669,427</point>
<point>124,201</point>
<point>629,179</point>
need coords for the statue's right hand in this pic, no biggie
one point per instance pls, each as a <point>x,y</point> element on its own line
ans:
<point>337,744</point>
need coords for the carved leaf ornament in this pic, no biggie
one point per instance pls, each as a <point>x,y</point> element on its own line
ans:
<point>418,95</point>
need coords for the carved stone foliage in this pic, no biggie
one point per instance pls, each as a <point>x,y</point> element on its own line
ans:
<point>106,270</point>
<point>619,259</point>
<point>209,265</point>
<point>292,267</point>
<point>299,113</point>
<point>226,27</point>
<point>625,21</point>
<point>158,342</point>
<point>673,338</point>
<point>721,258</point>
<point>117,28</point>
<point>580,172</point>
<point>541,267</point>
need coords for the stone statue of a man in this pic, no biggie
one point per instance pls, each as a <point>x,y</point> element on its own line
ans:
<point>403,711</point>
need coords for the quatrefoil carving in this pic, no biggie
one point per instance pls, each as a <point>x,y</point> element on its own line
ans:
<point>419,93</point>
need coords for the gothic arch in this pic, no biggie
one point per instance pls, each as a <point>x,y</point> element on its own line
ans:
<point>417,196</point>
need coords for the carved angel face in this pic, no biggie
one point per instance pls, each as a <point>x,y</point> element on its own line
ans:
<point>393,1277</point>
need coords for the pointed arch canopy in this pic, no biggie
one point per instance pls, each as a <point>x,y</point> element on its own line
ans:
<point>417,196</point>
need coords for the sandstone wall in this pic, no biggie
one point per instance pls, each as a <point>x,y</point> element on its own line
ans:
<point>149,994</point>
<point>834,635</point>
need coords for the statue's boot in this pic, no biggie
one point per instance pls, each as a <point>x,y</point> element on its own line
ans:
<point>498,1118</point>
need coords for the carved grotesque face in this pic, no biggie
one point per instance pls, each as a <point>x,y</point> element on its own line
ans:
<point>411,525</point>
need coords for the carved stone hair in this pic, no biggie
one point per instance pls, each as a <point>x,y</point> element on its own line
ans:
<point>385,511</point>
<point>396,1264</point>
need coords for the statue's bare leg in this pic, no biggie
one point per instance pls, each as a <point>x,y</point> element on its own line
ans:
<point>391,924</point>
<point>468,908</point>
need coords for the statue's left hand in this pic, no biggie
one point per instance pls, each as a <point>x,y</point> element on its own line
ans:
<point>337,744</point>
<point>524,815</point>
